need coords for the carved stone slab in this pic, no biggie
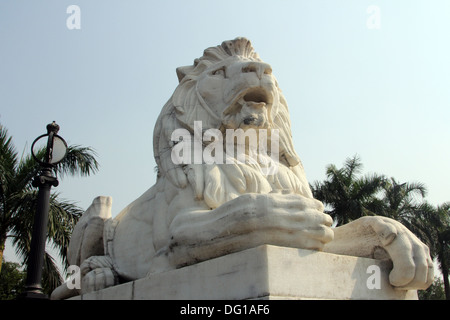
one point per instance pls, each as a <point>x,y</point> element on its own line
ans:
<point>265,272</point>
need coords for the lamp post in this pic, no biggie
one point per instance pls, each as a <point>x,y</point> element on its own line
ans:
<point>55,152</point>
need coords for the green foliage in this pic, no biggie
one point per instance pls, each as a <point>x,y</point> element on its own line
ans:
<point>434,292</point>
<point>12,281</point>
<point>349,195</point>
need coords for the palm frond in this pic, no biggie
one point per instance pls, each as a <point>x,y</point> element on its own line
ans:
<point>352,167</point>
<point>27,169</point>
<point>8,164</point>
<point>63,216</point>
<point>366,187</point>
<point>8,153</point>
<point>51,275</point>
<point>79,161</point>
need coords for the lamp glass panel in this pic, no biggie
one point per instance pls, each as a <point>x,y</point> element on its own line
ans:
<point>59,150</point>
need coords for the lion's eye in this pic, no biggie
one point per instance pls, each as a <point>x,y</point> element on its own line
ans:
<point>219,72</point>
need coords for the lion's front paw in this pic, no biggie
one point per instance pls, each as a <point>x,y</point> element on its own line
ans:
<point>302,222</point>
<point>413,267</point>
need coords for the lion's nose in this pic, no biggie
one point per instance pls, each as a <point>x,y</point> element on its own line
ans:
<point>260,68</point>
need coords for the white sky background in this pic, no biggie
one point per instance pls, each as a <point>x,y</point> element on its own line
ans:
<point>380,93</point>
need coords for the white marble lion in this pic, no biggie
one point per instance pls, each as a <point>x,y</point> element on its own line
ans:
<point>199,211</point>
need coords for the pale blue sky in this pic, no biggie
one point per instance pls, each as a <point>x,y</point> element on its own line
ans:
<point>381,93</point>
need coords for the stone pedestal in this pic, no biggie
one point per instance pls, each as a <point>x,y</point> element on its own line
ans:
<point>265,272</point>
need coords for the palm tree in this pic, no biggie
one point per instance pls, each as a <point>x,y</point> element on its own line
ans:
<point>432,225</point>
<point>400,199</point>
<point>349,195</point>
<point>18,202</point>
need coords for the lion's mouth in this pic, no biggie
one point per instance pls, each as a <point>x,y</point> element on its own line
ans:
<point>257,97</point>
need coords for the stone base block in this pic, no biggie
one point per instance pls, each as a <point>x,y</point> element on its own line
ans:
<point>265,272</point>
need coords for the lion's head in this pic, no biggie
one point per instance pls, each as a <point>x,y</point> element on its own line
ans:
<point>232,85</point>
<point>229,87</point>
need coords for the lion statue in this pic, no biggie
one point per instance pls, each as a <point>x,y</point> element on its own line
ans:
<point>199,210</point>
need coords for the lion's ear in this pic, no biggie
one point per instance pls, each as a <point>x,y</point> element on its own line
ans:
<point>183,71</point>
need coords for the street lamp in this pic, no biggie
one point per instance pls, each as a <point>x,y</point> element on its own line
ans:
<point>55,152</point>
